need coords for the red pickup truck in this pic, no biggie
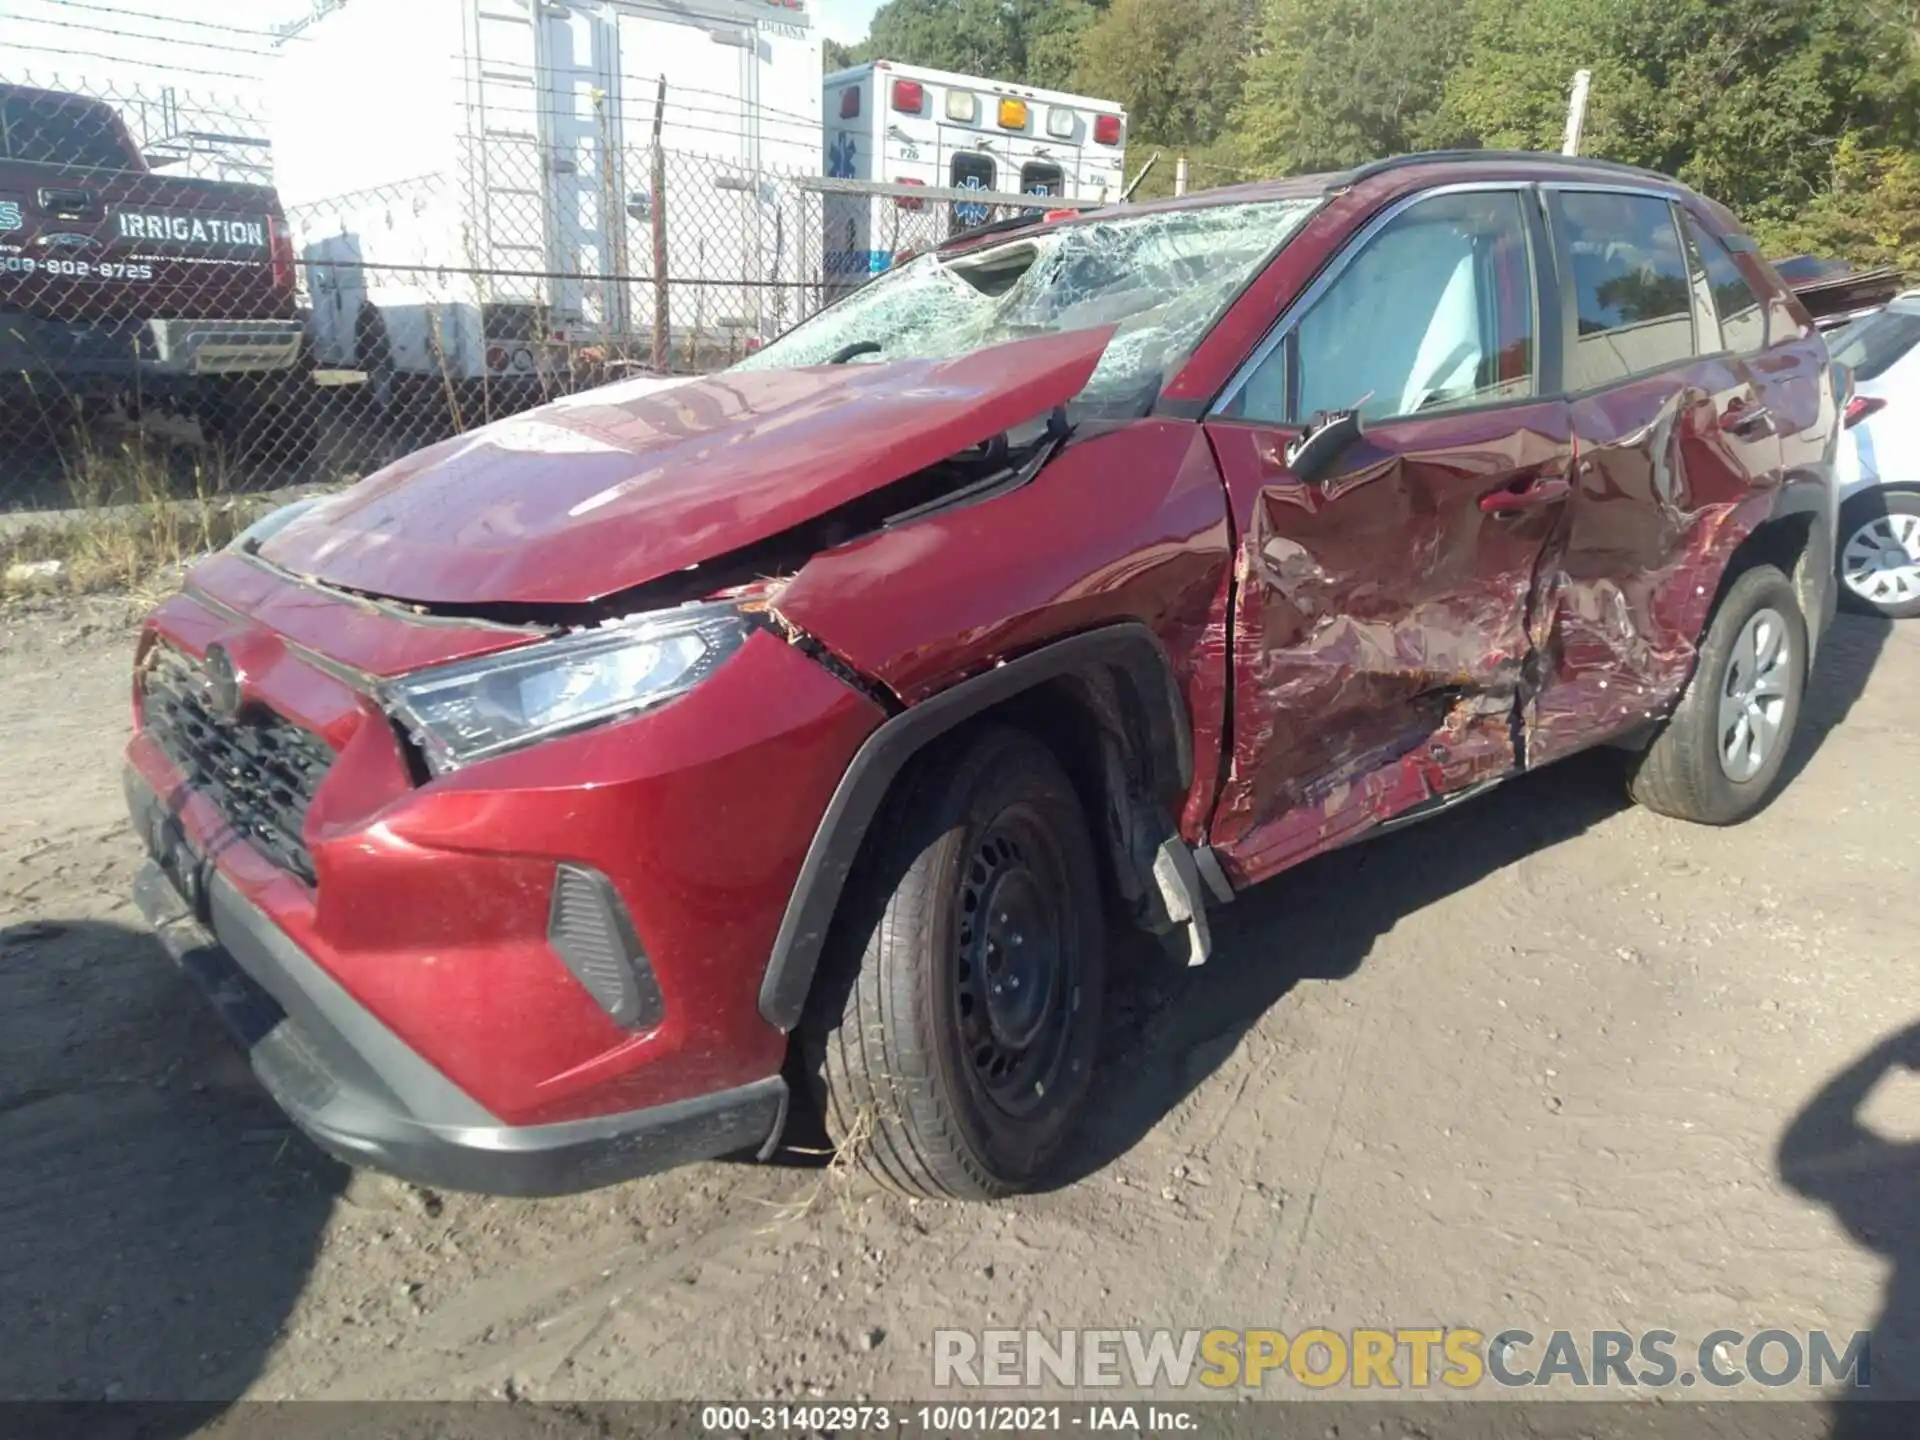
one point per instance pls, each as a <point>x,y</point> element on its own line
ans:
<point>121,284</point>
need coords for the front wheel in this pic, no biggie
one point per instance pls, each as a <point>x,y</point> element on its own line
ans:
<point>1718,759</point>
<point>953,1034</point>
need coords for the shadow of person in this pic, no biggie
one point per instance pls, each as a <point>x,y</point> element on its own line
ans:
<point>1830,1154</point>
<point>158,1215</point>
<point>1169,1027</point>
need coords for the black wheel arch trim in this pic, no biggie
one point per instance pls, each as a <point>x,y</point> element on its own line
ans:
<point>1814,494</point>
<point>1129,648</point>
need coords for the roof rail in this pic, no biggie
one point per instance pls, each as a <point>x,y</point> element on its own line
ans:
<point>1445,157</point>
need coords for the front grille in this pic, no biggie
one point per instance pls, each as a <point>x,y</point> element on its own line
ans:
<point>258,770</point>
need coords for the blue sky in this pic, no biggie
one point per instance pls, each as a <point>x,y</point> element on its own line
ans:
<point>845,20</point>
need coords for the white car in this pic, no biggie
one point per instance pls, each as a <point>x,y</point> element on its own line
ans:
<point>1879,462</point>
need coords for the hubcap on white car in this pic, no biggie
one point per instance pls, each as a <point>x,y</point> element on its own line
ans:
<point>1753,698</point>
<point>1881,560</point>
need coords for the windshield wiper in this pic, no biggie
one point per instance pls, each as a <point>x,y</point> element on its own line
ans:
<point>855,350</point>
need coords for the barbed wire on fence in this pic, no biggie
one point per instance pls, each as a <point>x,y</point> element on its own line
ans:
<point>125,13</point>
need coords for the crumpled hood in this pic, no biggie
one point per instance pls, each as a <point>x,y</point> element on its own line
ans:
<point>626,484</point>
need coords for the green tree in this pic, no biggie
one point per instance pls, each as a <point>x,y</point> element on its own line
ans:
<point>1051,33</point>
<point>1869,214</point>
<point>1027,41</point>
<point>1177,65</point>
<point>966,35</point>
<point>835,56</point>
<point>1337,82</point>
<point>1749,100</point>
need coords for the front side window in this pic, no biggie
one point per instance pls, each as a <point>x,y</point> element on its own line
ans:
<point>1632,293</point>
<point>1163,280</point>
<point>1434,312</point>
<point>1743,320</point>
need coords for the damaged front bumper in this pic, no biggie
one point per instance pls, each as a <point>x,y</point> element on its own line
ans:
<point>533,974</point>
<point>363,1094</point>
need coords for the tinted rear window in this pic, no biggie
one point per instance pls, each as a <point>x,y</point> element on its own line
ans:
<point>1870,347</point>
<point>1633,296</point>
<point>63,130</point>
<point>1743,321</point>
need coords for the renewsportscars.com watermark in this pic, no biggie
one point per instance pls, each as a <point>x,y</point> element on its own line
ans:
<point>1416,1358</point>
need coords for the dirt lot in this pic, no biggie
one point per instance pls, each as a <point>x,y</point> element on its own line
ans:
<point>1548,1061</point>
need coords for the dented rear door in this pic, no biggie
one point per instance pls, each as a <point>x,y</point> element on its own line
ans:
<point>1384,614</point>
<point>1673,434</point>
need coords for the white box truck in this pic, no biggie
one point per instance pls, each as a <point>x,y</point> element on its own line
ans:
<point>906,125</point>
<point>471,181</point>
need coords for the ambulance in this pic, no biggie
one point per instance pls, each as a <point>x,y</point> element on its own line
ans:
<point>906,125</point>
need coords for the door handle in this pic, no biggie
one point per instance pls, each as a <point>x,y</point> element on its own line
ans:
<point>1746,417</point>
<point>1528,495</point>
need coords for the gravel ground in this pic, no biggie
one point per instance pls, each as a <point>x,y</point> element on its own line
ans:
<point>1548,1061</point>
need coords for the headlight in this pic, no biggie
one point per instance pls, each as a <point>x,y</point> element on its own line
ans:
<point>272,523</point>
<point>466,712</point>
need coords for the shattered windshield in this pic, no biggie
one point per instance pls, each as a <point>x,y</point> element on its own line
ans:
<point>1162,279</point>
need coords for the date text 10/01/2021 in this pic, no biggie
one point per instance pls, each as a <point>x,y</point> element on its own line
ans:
<point>946,1419</point>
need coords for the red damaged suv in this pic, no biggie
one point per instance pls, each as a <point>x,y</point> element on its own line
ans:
<point>520,806</point>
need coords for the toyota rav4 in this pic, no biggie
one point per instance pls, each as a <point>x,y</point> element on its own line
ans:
<point>529,806</point>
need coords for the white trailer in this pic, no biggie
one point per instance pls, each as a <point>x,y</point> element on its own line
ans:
<point>472,181</point>
<point>904,124</point>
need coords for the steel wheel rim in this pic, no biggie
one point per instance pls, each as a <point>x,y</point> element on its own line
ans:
<point>1881,560</point>
<point>1753,696</point>
<point>1017,982</point>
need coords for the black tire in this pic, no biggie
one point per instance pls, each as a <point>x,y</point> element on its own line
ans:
<point>924,1082</point>
<point>1881,511</point>
<point>1682,773</point>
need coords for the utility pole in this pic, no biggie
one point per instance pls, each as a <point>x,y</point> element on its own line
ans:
<point>1576,112</point>
<point>1180,176</point>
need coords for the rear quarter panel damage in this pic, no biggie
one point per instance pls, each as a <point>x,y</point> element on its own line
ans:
<point>1663,501</point>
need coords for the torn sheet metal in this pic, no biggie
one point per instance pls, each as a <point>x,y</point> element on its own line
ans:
<point>1381,626</point>
<point>1395,643</point>
<point>1663,497</point>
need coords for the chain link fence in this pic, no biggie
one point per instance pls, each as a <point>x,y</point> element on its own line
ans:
<point>179,309</point>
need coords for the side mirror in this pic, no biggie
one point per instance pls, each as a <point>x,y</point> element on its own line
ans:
<point>1328,436</point>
